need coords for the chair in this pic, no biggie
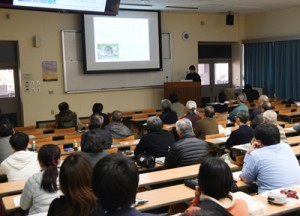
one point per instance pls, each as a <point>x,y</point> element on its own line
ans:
<point>63,130</point>
<point>41,140</point>
<point>149,111</point>
<point>25,128</point>
<point>139,116</point>
<point>112,150</point>
<point>34,132</point>
<point>73,137</point>
<point>212,136</point>
<point>123,139</point>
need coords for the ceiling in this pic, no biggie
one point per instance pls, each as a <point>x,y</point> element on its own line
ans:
<point>210,6</point>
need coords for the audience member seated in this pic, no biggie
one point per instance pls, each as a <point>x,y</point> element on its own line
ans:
<point>75,179</point>
<point>259,118</point>
<point>270,117</point>
<point>168,116</point>
<point>66,118</point>
<point>6,130</point>
<point>175,105</point>
<point>189,149</point>
<point>116,126</point>
<point>115,183</point>
<point>221,106</point>
<point>244,134</point>
<point>42,188</point>
<point>92,147</point>
<point>157,141</point>
<point>213,194</point>
<point>192,113</point>
<point>270,163</point>
<point>104,136</point>
<point>258,110</point>
<point>241,99</point>
<point>207,125</point>
<point>251,93</point>
<point>22,164</point>
<point>97,109</point>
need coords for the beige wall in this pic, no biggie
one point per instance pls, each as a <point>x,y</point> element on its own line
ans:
<point>280,23</point>
<point>23,25</point>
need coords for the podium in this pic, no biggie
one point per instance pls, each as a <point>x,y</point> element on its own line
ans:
<point>185,91</point>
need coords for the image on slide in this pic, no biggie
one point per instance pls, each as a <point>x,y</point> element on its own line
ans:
<point>107,51</point>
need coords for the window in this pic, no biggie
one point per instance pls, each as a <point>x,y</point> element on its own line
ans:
<point>7,83</point>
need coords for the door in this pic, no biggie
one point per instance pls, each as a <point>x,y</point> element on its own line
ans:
<point>215,76</point>
<point>9,83</point>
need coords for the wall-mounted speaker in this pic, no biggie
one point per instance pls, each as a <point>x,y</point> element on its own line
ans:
<point>229,19</point>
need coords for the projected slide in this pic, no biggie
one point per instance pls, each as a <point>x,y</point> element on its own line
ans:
<point>90,5</point>
<point>128,40</point>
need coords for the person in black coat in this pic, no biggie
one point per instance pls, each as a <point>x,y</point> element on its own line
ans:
<point>242,135</point>
<point>157,141</point>
<point>168,116</point>
<point>188,149</point>
<point>95,126</point>
<point>97,109</point>
<point>192,75</point>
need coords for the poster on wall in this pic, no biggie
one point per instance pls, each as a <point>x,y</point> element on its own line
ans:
<point>49,70</point>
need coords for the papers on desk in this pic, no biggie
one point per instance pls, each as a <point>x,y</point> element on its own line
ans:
<point>17,200</point>
<point>31,137</point>
<point>220,139</point>
<point>290,129</point>
<point>226,131</point>
<point>236,175</point>
<point>243,147</point>
<point>160,160</point>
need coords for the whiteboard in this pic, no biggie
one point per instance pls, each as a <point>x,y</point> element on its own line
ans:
<point>76,81</point>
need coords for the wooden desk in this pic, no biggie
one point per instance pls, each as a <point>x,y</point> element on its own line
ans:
<point>295,140</point>
<point>13,187</point>
<point>165,196</point>
<point>296,150</point>
<point>290,116</point>
<point>217,143</point>
<point>9,205</point>
<point>278,209</point>
<point>174,174</point>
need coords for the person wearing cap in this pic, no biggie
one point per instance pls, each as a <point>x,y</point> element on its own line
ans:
<point>241,99</point>
<point>192,114</point>
<point>207,125</point>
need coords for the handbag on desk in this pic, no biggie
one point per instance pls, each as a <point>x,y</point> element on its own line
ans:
<point>146,160</point>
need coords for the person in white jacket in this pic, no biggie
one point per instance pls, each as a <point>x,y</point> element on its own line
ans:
<point>22,164</point>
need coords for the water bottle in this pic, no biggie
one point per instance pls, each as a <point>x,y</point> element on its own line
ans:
<point>33,146</point>
<point>226,159</point>
<point>75,147</point>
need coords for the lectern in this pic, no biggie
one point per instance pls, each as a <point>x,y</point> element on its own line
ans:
<point>185,91</point>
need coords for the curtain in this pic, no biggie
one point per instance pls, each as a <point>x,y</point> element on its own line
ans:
<point>287,69</point>
<point>259,66</point>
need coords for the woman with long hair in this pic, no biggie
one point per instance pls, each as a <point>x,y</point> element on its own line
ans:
<point>75,180</point>
<point>41,188</point>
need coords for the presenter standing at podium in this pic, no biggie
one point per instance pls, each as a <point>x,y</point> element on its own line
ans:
<point>192,75</point>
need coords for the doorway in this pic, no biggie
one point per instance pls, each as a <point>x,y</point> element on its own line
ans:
<point>215,69</point>
<point>10,102</point>
<point>215,76</point>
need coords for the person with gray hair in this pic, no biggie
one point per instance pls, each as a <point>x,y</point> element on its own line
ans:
<point>270,117</point>
<point>192,114</point>
<point>168,116</point>
<point>157,141</point>
<point>188,149</point>
<point>95,126</point>
<point>116,126</point>
<point>258,110</point>
<point>241,99</point>
<point>207,125</point>
<point>244,134</point>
